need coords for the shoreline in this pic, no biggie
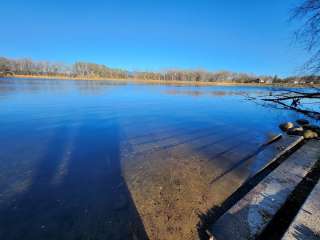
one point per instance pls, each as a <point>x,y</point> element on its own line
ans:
<point>162,82</point>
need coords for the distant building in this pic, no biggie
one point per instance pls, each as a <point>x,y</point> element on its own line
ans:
<point>269,81</point>
<point>260,80</point>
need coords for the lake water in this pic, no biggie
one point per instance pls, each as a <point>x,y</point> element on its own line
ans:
<point>106,160</point>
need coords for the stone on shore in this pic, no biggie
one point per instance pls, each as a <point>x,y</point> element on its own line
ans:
<point>286,126</point>
<point>309,134</point>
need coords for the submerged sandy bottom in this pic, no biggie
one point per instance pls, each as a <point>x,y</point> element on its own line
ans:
<point>174,177</point>
<point>151,184</point>
<point>93,161</point>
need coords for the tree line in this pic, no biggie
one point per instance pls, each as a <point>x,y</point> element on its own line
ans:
<point>92,70</point>
<point>44,68</point>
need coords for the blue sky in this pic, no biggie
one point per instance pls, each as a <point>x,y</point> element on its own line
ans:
<point>245,36</point>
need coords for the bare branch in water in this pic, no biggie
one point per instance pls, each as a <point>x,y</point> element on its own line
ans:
<point>293,100</point>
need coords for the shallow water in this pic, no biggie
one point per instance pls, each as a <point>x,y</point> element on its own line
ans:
<point>108,160</point>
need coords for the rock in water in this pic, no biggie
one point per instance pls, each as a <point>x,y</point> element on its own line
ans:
<point>309,134</point>
<point>314,128</point>
<point>295,131</point>
<point>286,126</point>
<point>302,122</point>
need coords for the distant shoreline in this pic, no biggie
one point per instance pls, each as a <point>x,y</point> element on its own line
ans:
<point>164,82</point>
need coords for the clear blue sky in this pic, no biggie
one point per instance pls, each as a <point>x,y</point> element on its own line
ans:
<point>239,35</point>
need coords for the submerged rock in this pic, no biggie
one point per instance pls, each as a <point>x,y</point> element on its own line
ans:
<point>286,126</point>
<point>309,134</point>
<point>302,122</point>
<point>313,128</point>
<point>295,131</point>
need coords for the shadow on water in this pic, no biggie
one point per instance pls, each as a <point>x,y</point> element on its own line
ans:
<point>91,200</point>
<point>239,163</point>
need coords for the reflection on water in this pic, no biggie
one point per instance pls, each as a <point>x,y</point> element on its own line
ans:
<point>215,93</point>
<point>106,160</point>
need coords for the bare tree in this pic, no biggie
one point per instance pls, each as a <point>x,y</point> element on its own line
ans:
<point>308,13</point>
<point>303,101</point>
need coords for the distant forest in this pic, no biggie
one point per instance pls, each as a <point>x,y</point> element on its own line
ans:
<point>12,67</point>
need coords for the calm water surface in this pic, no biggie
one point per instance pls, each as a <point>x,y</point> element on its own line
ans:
<point>101,160</point>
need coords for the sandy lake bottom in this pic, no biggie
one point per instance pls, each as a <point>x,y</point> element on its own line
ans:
<point>103,160</point>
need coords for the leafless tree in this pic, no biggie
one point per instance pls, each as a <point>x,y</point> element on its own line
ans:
<point>308,15</point>
<point>303,101</point>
